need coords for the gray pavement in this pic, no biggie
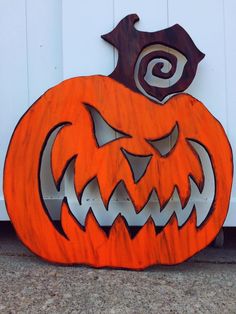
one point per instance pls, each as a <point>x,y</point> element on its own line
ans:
<point>204,284</point>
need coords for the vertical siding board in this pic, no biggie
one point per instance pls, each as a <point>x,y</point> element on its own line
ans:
<point>204,21</point>
<point>44,46</point>
<point>13,75</point>
<point>230,49</point>
<point>84,51</point>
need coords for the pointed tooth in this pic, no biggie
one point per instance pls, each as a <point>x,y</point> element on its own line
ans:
<point>104,216</point>
<point>112,209</point>
<point>91,191</point>
<point>195,187</point>
<point>172,208</point>
<point>184,201</point>
<point>125,206</point>
<point>69,223</point>
<point>111,200</point>
<point>154,206</point>
<point>147,234</point>
<point>119,229</point>
<point>93,197</point>
<point>164,214</point>
<point>201,205</point>
<point>78,210</point>
<point>127,211</point>
<point>141,218</point>
<point>200,184</point>
<point>120,192</point>
<point>195,191</point>
<point>94,231</point>
<point>125,202</point>
<point>150,222</point>
<point>163,201</point>
<point>149,210</point>
<point>154,196</point>
<point>155,209</point>
<point>106,190</point>
<point>134,216</point>
<point>184,193</point>
<point>80,187</point>
<point>90,200</point>
<point>138,195</point>
<point>182,213</point>
<point>138,207</point>
<point>90,216</point>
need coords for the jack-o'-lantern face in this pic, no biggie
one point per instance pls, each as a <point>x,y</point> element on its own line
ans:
<point>137,143</point>
<point>199,152</point>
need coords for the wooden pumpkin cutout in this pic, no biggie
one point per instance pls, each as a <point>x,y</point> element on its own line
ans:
<point>200,150</point>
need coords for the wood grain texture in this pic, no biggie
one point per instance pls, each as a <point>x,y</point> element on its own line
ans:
<point>141,119</point>
<point>131,42</point>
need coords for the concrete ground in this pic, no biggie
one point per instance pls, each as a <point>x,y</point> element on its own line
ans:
<point>204,284</point>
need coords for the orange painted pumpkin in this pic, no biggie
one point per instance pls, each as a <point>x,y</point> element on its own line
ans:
<point>142,123</point>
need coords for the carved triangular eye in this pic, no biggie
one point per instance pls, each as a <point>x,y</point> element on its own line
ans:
<point>103,132</point>
<point>166,144</point>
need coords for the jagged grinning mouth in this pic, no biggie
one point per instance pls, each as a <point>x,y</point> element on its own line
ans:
<point>120,203</point>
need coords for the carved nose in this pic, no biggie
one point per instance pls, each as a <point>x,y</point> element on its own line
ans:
<point>138,164</point>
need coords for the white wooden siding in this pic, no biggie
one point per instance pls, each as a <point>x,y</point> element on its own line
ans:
<point>43,42</point>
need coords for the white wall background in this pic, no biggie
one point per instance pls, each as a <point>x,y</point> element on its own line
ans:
<point>43,42</point>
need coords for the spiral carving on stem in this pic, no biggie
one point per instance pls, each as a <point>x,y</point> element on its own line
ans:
<point>158,69</point>
<point>130,43</point>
